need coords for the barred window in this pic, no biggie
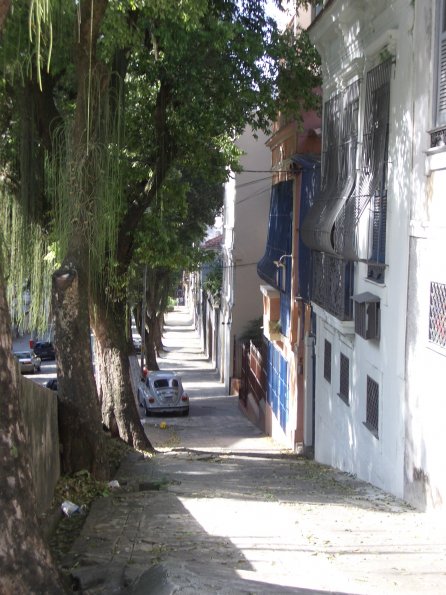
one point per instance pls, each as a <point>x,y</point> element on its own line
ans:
<point>344,379</point>
<point>327,361</point>
<point>372,412</point>
<point>437,314</point>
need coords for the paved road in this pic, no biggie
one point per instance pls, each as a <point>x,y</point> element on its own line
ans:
<point>47,369</point>
<point>215,423</point>
<point>224,509</point>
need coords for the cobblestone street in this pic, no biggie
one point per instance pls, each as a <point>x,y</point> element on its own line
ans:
<point>224,509</point>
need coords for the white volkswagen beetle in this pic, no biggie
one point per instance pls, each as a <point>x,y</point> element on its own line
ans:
<point>162,392</point>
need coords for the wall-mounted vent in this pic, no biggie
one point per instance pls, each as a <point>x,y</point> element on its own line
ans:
<point>367,315</point>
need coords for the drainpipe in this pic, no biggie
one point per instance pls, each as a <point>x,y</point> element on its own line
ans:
<point>309,395</point>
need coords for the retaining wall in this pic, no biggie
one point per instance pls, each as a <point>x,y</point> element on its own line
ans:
<point>39,409</point>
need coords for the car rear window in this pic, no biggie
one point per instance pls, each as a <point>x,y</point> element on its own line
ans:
<point>162,383</point>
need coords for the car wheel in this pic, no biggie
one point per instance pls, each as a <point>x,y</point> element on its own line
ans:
<point>186,412</point>
<point>148,412</point>
<point>38,369</point>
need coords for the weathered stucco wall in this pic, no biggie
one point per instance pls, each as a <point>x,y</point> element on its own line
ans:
<point>39,408</point>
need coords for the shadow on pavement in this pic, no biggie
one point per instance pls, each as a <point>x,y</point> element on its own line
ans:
<point>145,538</point>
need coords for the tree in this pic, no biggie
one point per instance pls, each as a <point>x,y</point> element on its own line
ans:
<point>25,561</point>
<point>154,91</point>
<point>79,418</point>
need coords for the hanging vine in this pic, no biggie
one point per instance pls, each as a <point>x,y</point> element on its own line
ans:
<point>56,185</point>
<point>29,262</point>
<point>88,189</point>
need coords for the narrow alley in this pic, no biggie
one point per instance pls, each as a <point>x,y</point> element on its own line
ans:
<point>223,509</point>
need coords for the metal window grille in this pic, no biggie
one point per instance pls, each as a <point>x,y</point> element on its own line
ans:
<point>332,284</point>
<point>437,314</point>
<point>373,178</point>
<point>372,413</point>
<point>327,361</point>
<point>340,131</point>
<point>344,379</point>
<point>438,138</point>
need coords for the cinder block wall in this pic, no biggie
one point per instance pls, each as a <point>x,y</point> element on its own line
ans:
<point>39,409</point>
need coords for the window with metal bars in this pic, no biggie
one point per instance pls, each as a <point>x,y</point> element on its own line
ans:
<point>373,183</point>
<point>344,379</point>
<point>327,361</point>
<point>324,225</point>
<point>437,314</point>
<point>372,411</point>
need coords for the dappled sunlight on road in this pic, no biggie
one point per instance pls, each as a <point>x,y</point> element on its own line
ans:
<point>222,508</point>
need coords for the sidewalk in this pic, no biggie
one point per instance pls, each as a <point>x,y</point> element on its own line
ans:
<point>224,509</point>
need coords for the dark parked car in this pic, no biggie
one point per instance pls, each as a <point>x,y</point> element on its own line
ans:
<point>44,350</point>
<point>52,384</point>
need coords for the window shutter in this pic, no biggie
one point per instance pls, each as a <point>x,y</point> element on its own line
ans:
<point>441,93</point>
<point>378,231</point>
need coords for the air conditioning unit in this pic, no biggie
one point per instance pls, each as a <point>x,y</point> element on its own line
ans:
<point>367,315</point>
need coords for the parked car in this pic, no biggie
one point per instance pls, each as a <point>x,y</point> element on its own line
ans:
<point>28,362</point>
<point>44,350</point>
<point>52,384</point>
<point>162,392</point>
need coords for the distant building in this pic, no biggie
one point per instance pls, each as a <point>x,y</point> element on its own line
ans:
<point>245,220</point>
<point>276,389</point>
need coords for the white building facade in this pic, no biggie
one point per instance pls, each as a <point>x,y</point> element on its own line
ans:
<point>377,235</point>
<point>245,223</point>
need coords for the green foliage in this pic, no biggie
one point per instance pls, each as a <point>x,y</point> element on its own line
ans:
<point>214,280</point>
<point>29,261</point>
<point>253,331</point>
<point>175,84</point>
<point>298,74</point>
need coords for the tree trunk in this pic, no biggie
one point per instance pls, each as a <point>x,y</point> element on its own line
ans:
<point>80,424</point>
<point>159,322</point>
<point>25,561</point>
<point>151,362</point>
<point>83,445</point>
<point>156,300</point>
<point>119,410</point>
